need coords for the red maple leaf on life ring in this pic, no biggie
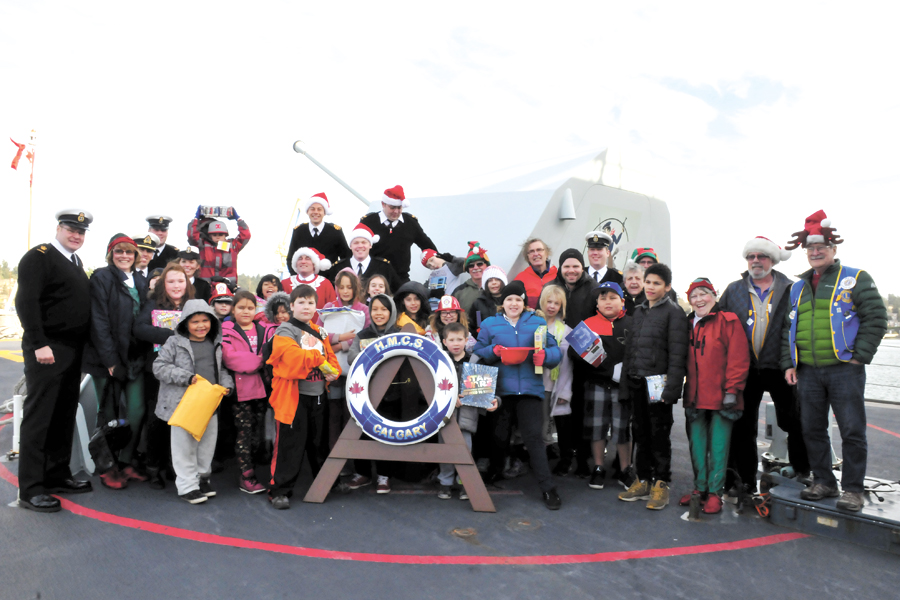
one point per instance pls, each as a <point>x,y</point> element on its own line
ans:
<point>356,388</point>
<point>445,385</point>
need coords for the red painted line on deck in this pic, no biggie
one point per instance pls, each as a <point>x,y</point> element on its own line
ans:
<point>220,540</point>
<point>882,430</point>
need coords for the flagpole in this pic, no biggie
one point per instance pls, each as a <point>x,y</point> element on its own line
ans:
<point>33,144</point>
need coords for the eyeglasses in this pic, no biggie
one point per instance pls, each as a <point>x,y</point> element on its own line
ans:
<point>73,230</point>
<point>757,257</point>
<point>120,251</point>
<point>535,251</point>
<point>817,249</point>
<point>477,264</point>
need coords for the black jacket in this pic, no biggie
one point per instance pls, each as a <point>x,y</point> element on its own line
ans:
<point>578,299</point>
<point>485,306</point>
<point>736,299</point>
<point>53,300</point>
<point>112,318</point>
<point>330,242</point>
<point>377,266</point>
<point>168,254</point>
<point>395,244</point>
<point>202,289</point>
<point>657,344</point>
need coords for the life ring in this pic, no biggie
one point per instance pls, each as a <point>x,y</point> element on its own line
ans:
<point>425,425</point>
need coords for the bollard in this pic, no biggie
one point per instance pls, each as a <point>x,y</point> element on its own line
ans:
<point>18,401</point>
<point>694,510</point>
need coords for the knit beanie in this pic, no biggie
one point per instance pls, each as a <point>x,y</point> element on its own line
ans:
<point>571,253</point>
<point>514,288</point>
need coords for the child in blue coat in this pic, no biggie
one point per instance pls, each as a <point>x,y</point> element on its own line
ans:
<point>519,387</point>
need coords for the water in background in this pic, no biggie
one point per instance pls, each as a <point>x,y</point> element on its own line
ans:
<point>883,375</point>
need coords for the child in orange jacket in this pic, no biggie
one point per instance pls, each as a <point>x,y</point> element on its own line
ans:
<point>302,362</point>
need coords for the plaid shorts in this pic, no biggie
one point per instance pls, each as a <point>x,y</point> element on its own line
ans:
<point>603,412</point>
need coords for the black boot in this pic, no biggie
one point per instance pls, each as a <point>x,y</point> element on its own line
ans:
<point>156,480</point>
<point>564,465</point>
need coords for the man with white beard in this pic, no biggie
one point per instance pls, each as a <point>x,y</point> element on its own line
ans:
<point>761,299</point>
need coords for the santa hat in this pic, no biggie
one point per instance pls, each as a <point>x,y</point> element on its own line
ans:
<point>427,253</point>
<point>361,231</point>
<point>476,253</point>
<point>395,197</point>
<point>221,293</point>
<point>318,259</point>
<point>493,272</point>
<point>766,246</point>
<point>319,198</point>
<point>816,230</point>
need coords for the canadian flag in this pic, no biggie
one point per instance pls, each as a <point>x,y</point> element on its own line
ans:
<point>21,148</point>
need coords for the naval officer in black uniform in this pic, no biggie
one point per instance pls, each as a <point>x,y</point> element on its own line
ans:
<point>362,263</point>
<point>164,253</point>
<point>327,238</point>
<point>54,305</point>
<point>397,230</point>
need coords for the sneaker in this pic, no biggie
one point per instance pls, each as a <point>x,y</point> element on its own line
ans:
<point>639,490</point>
<point>713,504</point>
<point>659,496</point>
<point>206,488</point>
<point>358,481</point>
<point>819,491</point>
<point>582,470</point>
<point>462,494</point>
<point>597,478</point>
<point>280,502</point>
<point>552,499</point>
<point>686,499</point>
<point>114,480</point>
<point>156,480</point>
<point>852,501</point>
<point>194,497</point>
<point>444,493</point>
<point>563,467</point>
<point>130,473</point>
<point>627,477</point>
<point>384,485</point>
<point>516,468</point>
<point>249,483</point>
<point>340,487</point>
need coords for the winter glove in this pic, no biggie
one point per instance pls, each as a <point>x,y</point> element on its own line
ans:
<point>538,357</point>
<point>729,402</point>
<point>731,414</point>
<point>198,214</point>
<point>234,215</point>
<point>498,350</point>
<point>691,414</point>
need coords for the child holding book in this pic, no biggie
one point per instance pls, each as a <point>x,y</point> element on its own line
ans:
<point>301,357</point>
<point>454,339</point>
<point>195,350</point>
<point>242,345</point>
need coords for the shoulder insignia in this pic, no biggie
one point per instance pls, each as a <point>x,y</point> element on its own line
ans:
<point>175,249</point>
<point>385,260</point>
<point>338,227</point>
<point>413,216</point>
<point>298,225</point>
<point>619,272</point>
<point>42,249</point>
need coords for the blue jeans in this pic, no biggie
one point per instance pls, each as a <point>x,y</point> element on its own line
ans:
<point>842,387</point>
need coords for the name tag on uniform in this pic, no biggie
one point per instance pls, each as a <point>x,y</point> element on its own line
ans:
<point>223,246</point>
<point>750,322</point>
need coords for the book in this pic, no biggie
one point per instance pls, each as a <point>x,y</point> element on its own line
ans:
<point>586,344</point>
<point>166,319</point>
<point>479,385</point>
<point>540,339</point>
<point>655,386</point>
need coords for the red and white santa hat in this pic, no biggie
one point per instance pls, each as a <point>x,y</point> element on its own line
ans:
<point>766,246</point>
<point>319,261</point>
<point>319,198</point>
<point>816,230</point>
<point>362,231</point>
<point>395,197</point>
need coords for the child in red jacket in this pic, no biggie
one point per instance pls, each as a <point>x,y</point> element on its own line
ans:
<point>218,254</point>
<point>714,400</point>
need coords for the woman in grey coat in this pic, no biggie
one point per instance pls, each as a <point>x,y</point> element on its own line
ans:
<point>195,349</point>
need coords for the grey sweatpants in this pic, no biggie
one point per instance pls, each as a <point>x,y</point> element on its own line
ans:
<point>192,459</point>
<point>445,475</point>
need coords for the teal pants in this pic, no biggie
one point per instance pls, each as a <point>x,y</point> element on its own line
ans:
<point>709,437</point>
<point>135,408</point>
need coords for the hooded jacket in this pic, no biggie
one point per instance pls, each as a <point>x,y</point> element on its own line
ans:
<point>373,331</point>
<point>174,367</point>
<point>718,360</point>
<point>275,300</point>
<point>412,287</point>
<point>246,363</point>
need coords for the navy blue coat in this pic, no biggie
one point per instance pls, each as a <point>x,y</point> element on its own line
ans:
<point>515,380</point>
<point>112,317</point>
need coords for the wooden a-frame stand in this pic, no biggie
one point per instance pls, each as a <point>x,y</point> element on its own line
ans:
<point>452,449</point>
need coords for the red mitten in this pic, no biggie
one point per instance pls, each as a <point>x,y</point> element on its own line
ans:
<point>498,349</point>
<point>539,358</point>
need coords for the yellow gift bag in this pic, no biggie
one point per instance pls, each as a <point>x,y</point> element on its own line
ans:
<point>197,407</point>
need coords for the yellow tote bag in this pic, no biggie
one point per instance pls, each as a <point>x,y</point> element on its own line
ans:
<point>197,407</point>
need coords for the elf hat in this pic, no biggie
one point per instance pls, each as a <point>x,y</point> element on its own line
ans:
<point>640,253</point>
<point>395,197</point>
<point>493,272</point>
<point>319,199</point>
<point>318,259</point>
<point>448,303</point>
<point>701,282</point>
<point>816,230</point>
<point>221,293</point>
<point>361,231</point>
<point>476,253</point>
<point>766,246</point>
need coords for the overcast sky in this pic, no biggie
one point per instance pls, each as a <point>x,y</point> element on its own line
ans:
<point>744,118</point>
